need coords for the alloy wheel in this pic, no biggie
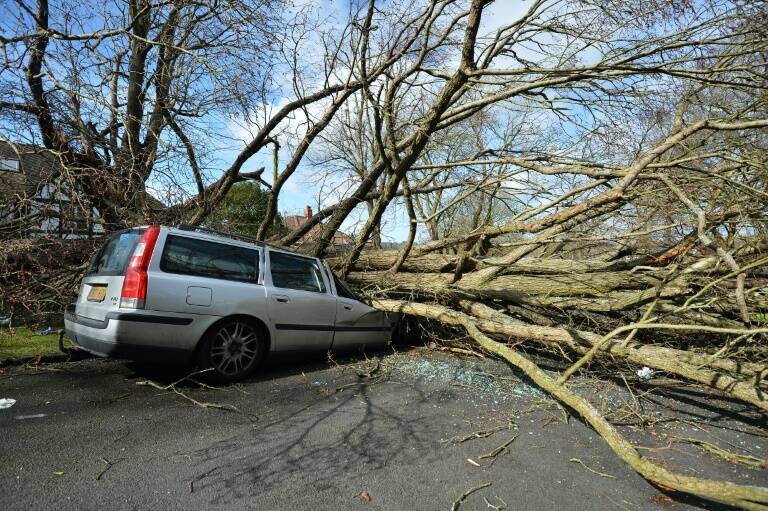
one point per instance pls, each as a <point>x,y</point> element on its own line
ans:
<point>235,348</point>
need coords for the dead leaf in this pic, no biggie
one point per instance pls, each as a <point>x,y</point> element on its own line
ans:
<point>365,496</point>
<point>59,473</point>
<point>661,500</point>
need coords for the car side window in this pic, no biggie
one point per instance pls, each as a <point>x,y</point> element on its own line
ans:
<point>342,290</point>
<point>190,256</point>
<point>295,272</point>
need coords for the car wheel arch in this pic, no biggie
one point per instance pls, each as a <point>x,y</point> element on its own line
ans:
<point>258,322</point>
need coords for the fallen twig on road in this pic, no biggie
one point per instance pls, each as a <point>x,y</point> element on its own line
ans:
<point>202,404</point>
<point>457,503</point>
<point>109,464</point>
<point>498,450</point>
<point>501,505</point>
<point>461,351</point>
<point>476,434</point>
<point>601,474</point>
<point>742,459</point>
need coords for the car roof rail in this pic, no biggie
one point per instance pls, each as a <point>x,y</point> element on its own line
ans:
<point>230,235</point>
<point>223,234</point>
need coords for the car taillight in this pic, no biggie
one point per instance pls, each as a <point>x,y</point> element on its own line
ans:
<point>134,293</point>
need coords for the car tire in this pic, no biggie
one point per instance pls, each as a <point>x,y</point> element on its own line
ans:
<point>232,350</point>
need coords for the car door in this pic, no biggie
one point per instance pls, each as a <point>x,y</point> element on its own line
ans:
<point>300,303</point>
<point>357,324</point>
<point>201,276</point>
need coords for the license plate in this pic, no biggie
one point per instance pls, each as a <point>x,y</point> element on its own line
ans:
<point>97,294</point>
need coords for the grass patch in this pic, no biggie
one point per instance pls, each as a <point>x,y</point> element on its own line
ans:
<point>21,342</point>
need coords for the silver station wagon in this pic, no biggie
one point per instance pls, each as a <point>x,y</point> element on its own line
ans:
<point>186,294</point>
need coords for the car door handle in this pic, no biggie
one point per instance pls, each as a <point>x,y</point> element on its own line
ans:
<point>281,299</point>
<point>348,307</point>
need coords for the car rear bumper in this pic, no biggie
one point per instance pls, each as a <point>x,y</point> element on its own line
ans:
<point>137,336</point>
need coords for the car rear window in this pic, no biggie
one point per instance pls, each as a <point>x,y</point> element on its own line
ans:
<point>114,255</point>
<point>190,256</point>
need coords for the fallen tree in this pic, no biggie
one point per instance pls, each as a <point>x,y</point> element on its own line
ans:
<point>606,292</point>
<point>678,316</point>
<point>602,293</point>
<point>588,178</point>
<point>747,497</point>
<point>509,305</point>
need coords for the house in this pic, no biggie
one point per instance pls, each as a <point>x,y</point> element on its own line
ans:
<point>34,201</point>
<point>293,222</point>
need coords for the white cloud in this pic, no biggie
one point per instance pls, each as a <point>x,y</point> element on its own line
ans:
<point>289,129</point>
<point>501,13</point>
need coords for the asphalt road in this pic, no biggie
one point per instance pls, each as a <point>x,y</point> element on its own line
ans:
<point>313,435</point>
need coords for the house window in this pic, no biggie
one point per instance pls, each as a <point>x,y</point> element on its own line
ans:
<point>9,165</point>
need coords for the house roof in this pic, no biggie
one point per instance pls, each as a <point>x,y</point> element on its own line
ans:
<point>293,222</point>
<point>37,166</point>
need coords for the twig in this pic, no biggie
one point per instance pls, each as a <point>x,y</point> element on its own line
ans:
<point>498,450</point>
<point>110,464</point>
<point>503,504</point>
<point>720,438</point>
<point>202,404</point>
<point>476,434</point>
<point>461,351</point>
<point>637,403</point>
<point>742,459</point>
<point>457,503</point>
<point>328,392</point>
<point>601,474</point>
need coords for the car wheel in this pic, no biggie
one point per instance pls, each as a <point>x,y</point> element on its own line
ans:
<point>232,350</point>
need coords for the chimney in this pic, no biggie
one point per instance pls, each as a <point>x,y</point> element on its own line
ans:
<point>307,211</point>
